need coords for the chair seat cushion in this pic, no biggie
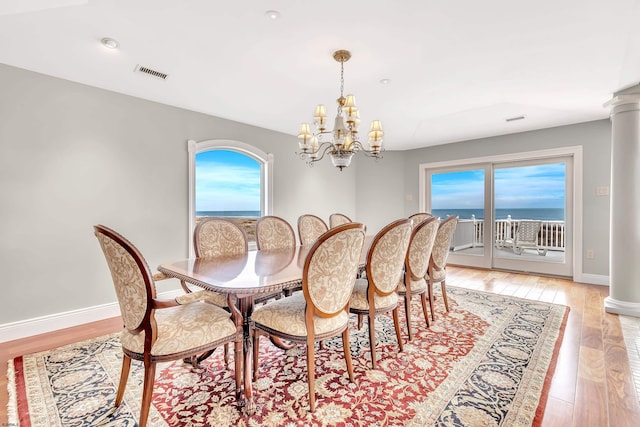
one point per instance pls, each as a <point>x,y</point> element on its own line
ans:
<point>287,315</point>
<point>183,328</point>
<point>359,299</point>
<point>207,296</point>
<point>438,276</point>
<point>417,286</point>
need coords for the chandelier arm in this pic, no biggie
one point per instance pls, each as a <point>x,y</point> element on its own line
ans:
<point>324,147</point>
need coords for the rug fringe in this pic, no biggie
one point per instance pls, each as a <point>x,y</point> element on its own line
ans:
<point>12,406</point>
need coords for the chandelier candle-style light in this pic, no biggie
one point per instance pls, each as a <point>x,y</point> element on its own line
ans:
<point>343,141</point>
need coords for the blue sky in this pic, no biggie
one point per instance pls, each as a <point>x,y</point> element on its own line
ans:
<point>227,181</point>
<point>537,186</point>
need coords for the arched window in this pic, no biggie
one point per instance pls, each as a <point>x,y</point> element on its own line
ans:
<point>228,179</point>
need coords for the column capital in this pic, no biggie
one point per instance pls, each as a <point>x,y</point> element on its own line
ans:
<point>629,95</point>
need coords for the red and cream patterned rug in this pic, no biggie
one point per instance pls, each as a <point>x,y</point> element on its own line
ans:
<point>486,363</point>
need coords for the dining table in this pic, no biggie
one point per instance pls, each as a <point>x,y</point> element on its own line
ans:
<point>247,276</point>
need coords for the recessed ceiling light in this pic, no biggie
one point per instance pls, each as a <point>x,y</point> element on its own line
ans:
<point>272,14</point>
<point>385,81</point>
<point>110,43</point>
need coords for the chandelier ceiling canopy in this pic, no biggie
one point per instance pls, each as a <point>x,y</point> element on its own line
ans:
<point>343,141</point>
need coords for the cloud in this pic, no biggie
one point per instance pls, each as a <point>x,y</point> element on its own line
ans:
<point>227,186</point>
<point>536,186</point>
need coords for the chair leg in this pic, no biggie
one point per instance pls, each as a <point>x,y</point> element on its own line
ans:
<point>396,322</point>
<point>359,321</point>
<point>238,361</point>
<point>407,313</point>
<point>256,350</point>
<point>372,338</point>
<point>147,392</point>
<point>124,375</point>
<point>311,372</point>
<point>430,290</point>
<point>347,353</point>
<point>443,286</point>
<point>226,355</point>
<point>423,299</point>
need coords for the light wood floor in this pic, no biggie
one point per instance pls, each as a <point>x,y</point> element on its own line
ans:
<point>592,385</point>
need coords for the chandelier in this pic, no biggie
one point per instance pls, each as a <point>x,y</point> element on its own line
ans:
<point>343,142</point>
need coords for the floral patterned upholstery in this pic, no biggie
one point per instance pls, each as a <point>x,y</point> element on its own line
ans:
<point>420,217</point>
<point>206,296</point>
<point>320,311</point>
<point>438,262</point>
<point>310,227</point>
<point>217,237</point>
<point>287,315</point>
<point>386,258</point>
<point>131,289</point>
<point>273,232</point>
<point>337,219</point>
<point>377,293</point>
<point>417,265</point>
<point>417,286</point>
<point>157,331</point>
<point>360,301</point>
<point>183,328</point>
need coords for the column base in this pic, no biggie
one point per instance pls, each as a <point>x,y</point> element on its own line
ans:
<point>621,307</point>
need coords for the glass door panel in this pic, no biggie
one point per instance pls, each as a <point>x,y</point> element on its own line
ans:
<point>463,193</point>
<point>532,213</point>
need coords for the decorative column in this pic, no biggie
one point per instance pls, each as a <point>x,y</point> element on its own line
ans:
<point>624,261</point>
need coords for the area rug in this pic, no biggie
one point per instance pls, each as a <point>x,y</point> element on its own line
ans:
<point>488,362</point>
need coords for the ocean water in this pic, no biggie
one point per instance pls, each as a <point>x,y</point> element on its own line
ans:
<point>550,214</point>
<point>255,214</point>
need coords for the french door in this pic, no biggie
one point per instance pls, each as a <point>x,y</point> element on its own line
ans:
<point>513,215</point>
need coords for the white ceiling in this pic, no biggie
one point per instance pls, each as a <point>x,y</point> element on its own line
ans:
<point>458,68</point>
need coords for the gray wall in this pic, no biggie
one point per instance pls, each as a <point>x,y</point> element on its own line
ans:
<point>72,156</point>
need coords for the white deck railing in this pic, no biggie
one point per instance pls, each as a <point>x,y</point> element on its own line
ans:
<point>470,233</point>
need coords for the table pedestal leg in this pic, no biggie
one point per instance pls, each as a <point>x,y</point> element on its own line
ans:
<point>246,307</point>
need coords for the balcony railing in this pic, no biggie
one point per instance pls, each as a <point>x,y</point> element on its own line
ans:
<point>470,233</point>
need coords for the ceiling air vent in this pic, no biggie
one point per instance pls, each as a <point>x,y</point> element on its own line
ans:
<point>513,119</point>
<point>151,72</point>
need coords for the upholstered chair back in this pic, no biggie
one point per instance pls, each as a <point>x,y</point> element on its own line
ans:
<point>387,256</point>
<point>132,279</point>
<point>331,267</point>
<point>273,232</point>
<point>422,240</point>
<point>310,227</point>
<point>417,218</point>
<point>217,237</point>
<point>337,219</point>
<point>441,246</point>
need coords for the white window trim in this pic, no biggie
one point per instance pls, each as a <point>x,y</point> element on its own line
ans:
<point>266,172</point>
<point>575,151</point>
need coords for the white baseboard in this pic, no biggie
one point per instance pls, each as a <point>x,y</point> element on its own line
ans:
<point>593,279</point>
<point>53,322</point>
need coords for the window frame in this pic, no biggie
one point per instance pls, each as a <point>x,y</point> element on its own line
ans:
<point>266,176</point>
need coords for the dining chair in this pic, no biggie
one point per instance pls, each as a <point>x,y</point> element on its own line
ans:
<point>415,267</point>
<point>273,232</point>
<point>417,218</point>
<point>337,219</point>
<point>161,330</point>
<point>376,293</point>
<point>214,237</point>
<point>310,227</point>
<point>437,271</point>
<point>321,310</point>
